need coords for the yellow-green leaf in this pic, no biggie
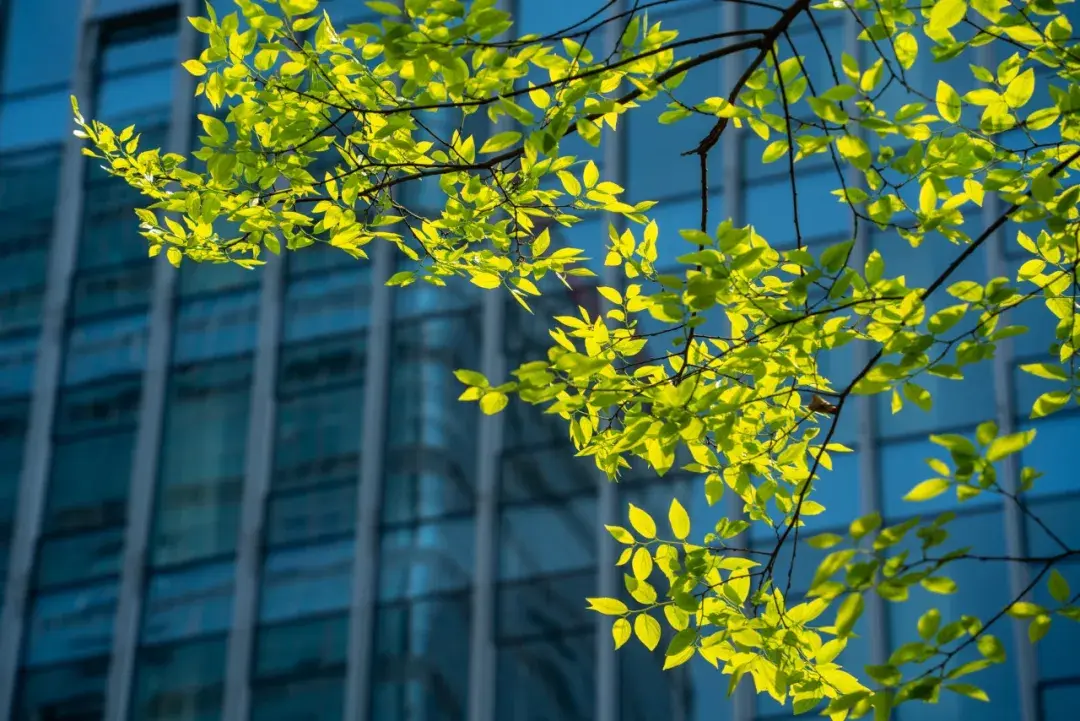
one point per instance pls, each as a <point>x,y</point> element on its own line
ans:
<point>642,522</point>
<point>195,68</point>
<point>500,141</point>
<point>647,630</point>
<point>493,402</point>
<point>679,520</point>
<point>642,564</point>
<point>948,100</point>
<point>927,489</point>
<point>621,632</point>
<point>608,606</point>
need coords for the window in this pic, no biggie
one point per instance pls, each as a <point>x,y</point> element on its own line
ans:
<point>72,624</point>
<point>183,682</point>
<point>421,659</point>
<point>198,498</point>
<point>14,416</point>
<point>431,445</point>
<point>326,303</point>
<point>72,692</point>
<point>1058,701</point>
<point>903,465</point>
<point>299,670</point>
<point>17,355</point>
<point>982,593</point>
<point>1045,454</point>
<point>28,63</point>
<point>216,326</point>
<point>191,602</point>
<point>28,186</point>
<point>822,217</point>
<point>656,167</point>
<point>307,580</point>
<point>430,558</point>
<point>550,679</point>
<point>1050,520</point>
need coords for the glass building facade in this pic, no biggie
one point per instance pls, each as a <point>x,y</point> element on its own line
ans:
<point>230,495</point>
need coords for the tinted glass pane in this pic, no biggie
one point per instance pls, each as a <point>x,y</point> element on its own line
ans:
<point>73,558</point>
<point>548,680</point>
<point>543,606</point>
<point>215,327</point>
<point>71,625</point>
<point>429,558</point>
<point>110,347</point>
<point>307,580</point>
<point>180,683</point>
<point>198,502</point>
<point>74,692</point>
<point>545,473</point>
<point>1059,701</point>
<point>17,356</point>
<point>569,530</point>
<point>313,699</point>
<point>325,305</point>
<point>821,216</point>
<point>28,62</point>
<point>27,200</point>
<point>193,602</point>
<point>421,660</point>
<point>311,646</point>
<point>903,465</point>
<point>13,420</point>
<point>1045,453</point>
<point>311,514</point>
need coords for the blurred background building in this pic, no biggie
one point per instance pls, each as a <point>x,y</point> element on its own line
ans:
<point>231,495</point>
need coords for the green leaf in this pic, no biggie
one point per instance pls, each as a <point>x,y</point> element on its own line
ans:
<point>492,402</point>
<point>907,49</point>
<point>642,522</point>
<point>608,606</point>
<point>966,689</point>
<point>194,67</point>
<point>848,614</point>
<point>471,378</point>
<point>679,520</point>
<point>947,99</point>
<point>1038,628</point>
<point>383,7</point>
<point>929,623</point>
<point>939,584</point>
<point>642,564</point>
<point>1007,445</point>
<point>647,630</point>
<point>621,632</point>
<point>927,490</point>
<point>620,534</point>
<point>774,151</point>
<point>825,540</point>
<point>1020,89</point>
<point>500,141</point>
<point>1045,370</point>
<point>946,14</point>
<point>1050,402</point>
<point>591,174</point>
<point>1059,587</point>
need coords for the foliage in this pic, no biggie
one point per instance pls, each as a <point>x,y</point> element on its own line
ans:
<point>318,129</point>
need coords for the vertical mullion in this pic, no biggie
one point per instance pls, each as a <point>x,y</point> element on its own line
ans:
<point>1026,660</point>
<point>869,467</point>
<point>369,495</point>
<point>33,480</point>
<point>258,461</point>
<point>607,663</point>
<point>147,449</point>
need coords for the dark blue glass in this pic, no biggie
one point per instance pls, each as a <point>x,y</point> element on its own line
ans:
<point>72,624</point>
<point>306,580</point>
<point>569,530</point>
<point>546,606</point>
<point>71,691</point>
<point>17,356</point>
<point>311,514</point>
<point>545,474</point>
<point>27,200</point>
<point>324,305</point>
<point>106,348</point>
<point>198,499</point>
<point>183,682</point>
<point>430,558</point>
<point>35,120</point>
<point>195,601</point>
<point>75,558</point>
<point>421,660</point>
<point>982,593</point>
<point>656,166</point>
<point>1058,701</point>
<point>1045,454</point>
<point>903,466</point>
<point>14,416</point>
<point>28,62</point>
<point>216,326</point>
<point>312,646</point>
<point>550,679</point>
<point>308,699</point>
<point>822,216</point>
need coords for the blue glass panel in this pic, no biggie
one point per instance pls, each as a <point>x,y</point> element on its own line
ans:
<point>656,166</point>
<point>1027,387</point>
<point>547,680</point>
<point>27,61</point>
<point>420,298</point>
<point>318,438</point>
<point>310,646</point>
<point>674,215</point>
<point>134,48</point>
<point>136,95</point>
<point>71,624</point>
<point>73,691</point>
<point>306,367</point>
<point>570,530</point>
<point>1059,702</point>
<point>184,682</point>
<point>27,200</point>
<point>345,12</point>
<point>67,559</point>
<point>106,348</point>
<point>14,417</point>
<point>17,355</point>
<point>821,215</point>
<point>198,502</point>
<point>545,606</point>
<point>35,120</point>
<point>306,581</point>
<point>421,660</point>
<point>313,699</point>
<point>903,465</point>
<point>1056,652</point>
<point>1045,453</point>
<point>430,558</point>
<point>198,278</point>
<point>982,593</point>
<point>311,514</point>
<point>193,602</point>
<point>425,411</point>
<point>319,257</point>
<point>545,473</point>
<point>89,482</point>
<point>423,483</point>
<point>217,326</point>
<point>326,305</point>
